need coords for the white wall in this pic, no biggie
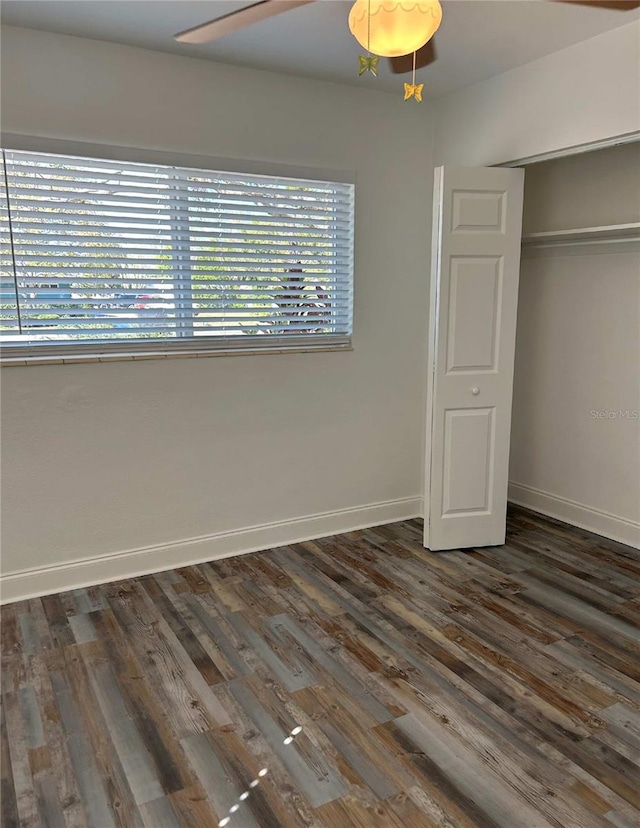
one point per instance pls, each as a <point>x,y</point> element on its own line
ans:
<point>102,458</point>
<point>573,453</point>
<point>586,93</point>
<point>588,190</point>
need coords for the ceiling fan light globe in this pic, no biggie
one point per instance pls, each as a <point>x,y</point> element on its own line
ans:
<point>397,27</point>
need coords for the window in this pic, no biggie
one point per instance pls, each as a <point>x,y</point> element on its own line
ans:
<point>101,256</point>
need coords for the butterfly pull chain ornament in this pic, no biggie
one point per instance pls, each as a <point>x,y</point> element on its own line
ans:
<point>413,89</point>
<point>370,62</point>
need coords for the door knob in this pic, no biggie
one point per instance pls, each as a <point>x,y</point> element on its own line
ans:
<point>475,391</point>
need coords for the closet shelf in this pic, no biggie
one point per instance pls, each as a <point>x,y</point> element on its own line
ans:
<point>594,235</point>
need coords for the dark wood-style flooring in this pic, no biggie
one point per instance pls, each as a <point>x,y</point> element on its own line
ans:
<point>490,687</point>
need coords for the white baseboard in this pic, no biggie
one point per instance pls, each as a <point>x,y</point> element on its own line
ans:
<point>602,523</point>
<point>30,583</point>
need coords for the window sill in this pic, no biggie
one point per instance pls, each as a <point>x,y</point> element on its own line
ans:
<point>16,360</point>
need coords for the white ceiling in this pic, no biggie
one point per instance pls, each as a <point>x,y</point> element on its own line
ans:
<point>477,39</point>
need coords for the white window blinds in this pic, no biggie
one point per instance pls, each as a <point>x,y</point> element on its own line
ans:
<point>105,253</point>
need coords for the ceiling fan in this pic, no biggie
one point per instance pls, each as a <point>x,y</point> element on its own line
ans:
<point>254,13</point>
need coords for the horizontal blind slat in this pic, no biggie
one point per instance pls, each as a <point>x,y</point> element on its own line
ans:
<point>114,222</point>
<point>200,225</point>
<point>242,290</point>
<point>227,254</point>
<point>34,247</point>
<point>154,174</point>
<point>29,192</point>
<point>152,171</point>
<point>31,196</point>
<point>293,328</point>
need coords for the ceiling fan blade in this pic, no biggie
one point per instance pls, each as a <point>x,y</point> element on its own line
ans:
<point>617,5</point>
<point>234,21</point>
<point>424,56</point>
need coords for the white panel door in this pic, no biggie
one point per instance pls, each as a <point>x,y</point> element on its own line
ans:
<point>476,263</point>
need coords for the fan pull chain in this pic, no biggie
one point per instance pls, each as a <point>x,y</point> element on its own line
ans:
<point>370,62</point>
<point>413,89</point>
<point>255,782</point>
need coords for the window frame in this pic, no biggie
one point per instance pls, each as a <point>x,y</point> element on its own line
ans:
<point>204,346</point>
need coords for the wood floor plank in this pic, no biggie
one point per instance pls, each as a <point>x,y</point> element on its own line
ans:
<point>357,745</point>
<point>102,747</point>
<point>60,767</point>
<point>318,780</point>
<point>350,811</point>
<point>193,808</point>
<point>8,804</point>
<point>159,812</point>
<point>467,776</point>
<point>216,780</point>
<point>620,820</point>
<point>95,798</point>
<point>24,787</point>
<point>229,657</point>
<point>620,685</point>
<point>288,670</point>
<point>286,627</point>
<point>480,688</point>
<point>138,764</point>
<point>82,628</point>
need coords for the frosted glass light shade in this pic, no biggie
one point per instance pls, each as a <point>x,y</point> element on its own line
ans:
<point>397,27</point>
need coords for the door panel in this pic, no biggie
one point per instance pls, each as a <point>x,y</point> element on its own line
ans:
<point>468,456</point>
<point>475,286</point>
<point>476,261</point>
<point>478,211</point>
